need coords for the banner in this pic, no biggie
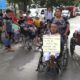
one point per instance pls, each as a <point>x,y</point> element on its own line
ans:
<point>3,4</point>
<point>51,43</point>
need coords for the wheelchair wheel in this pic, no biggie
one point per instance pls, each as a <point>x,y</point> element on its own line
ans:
<point>23,42</point>
<point>42,66</point>
<point>72,46</point>
<point>60,65</point>
<point>29,47</point>
<point>63,61</point>
<point>65,58</point>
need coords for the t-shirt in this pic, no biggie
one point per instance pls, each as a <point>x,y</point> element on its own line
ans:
<point>37,22</point>
<point>15,27</point>
<point>61,24</point>
<point>30,22</point>
<point>1,21</point>
<point>48,15</point>
<point>8,22</point>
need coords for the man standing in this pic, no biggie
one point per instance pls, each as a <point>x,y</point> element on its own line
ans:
<point>48,15</point>
<point>8,30</point>
<point>1,24</point>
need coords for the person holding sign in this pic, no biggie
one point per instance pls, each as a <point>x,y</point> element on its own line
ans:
<point>52,43</point>
<point>53,31</point>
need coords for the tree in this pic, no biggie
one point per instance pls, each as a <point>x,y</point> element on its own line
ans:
<point>21,3</point>
<point>56,2</point>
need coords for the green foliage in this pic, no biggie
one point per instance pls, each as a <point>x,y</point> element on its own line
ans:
<point>43,3</point>
<point>55,2</point>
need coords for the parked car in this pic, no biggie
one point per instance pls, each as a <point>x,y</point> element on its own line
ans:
<point>78,12</point>
<point>72,10</point>
<point>37,12</point>
<point>66,13</point>
<point>42,13</point>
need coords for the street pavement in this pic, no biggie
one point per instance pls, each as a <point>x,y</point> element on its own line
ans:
<point>21,64</point>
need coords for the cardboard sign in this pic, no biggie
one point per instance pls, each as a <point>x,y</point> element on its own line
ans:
<point>51,43</point>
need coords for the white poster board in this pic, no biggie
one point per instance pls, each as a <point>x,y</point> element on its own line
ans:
<point>51,43</point>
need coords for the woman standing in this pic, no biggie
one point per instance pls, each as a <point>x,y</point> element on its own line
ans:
<point>8,30</point>
<point>63,26</point>
<point>61,22</point>
<point>48,15</point>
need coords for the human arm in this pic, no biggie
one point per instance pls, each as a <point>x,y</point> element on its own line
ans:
<point>67,31</point>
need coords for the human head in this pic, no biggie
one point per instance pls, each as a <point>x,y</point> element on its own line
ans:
<point>8,12</point>
<point>49,8</point>
<point>58,12</point>
<point>53,28</point>
<point>37,18</point>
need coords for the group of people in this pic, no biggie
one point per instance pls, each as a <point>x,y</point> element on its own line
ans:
<point>25,25</point>
<point>9,18</point>
<point>6,29</point>
<point>56,25</point>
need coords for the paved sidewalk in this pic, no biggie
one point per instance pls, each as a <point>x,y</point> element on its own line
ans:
<point>14,46</point>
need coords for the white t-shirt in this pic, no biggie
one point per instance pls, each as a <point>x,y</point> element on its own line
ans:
<point>48,15</point>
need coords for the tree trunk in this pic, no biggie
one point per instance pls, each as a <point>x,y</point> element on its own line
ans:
<point>25,5</point>
<point>15,8</point>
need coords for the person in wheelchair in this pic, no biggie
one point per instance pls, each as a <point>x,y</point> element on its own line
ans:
<point>39,26</point>
<point>27,28</point>
<point>47,56</point>
<point>38,23</point>
<point>30,28</point>
<point>75,40</point>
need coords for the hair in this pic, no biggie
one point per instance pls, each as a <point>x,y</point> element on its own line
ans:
<point>53,24</point>
<point>59,9</point>
<point>28,12</point>
<point>8,11</point>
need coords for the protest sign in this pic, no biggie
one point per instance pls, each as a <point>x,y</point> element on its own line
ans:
<point>51,43</point>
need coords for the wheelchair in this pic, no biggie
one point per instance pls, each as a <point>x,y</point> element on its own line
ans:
<point>27,36</point>
<point>75,40</point>
<point>59,64</point>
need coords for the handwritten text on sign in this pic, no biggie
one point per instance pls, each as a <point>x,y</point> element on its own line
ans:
<point>51,43</point>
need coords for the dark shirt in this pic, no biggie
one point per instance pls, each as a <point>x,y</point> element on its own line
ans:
<point>62,24</point>
<point>21,22</point>
<point>8,22</point>
<point>1,21</point>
